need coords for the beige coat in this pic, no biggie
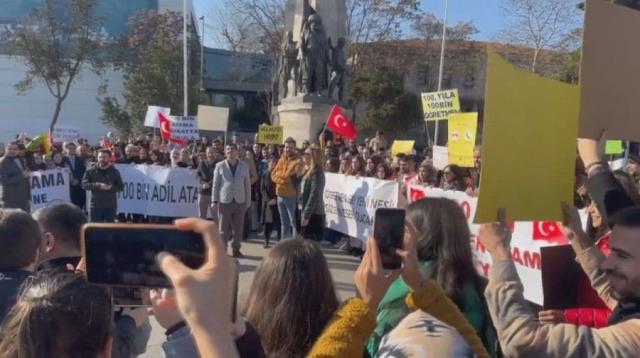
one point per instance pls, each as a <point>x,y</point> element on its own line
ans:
<point>522,335</point>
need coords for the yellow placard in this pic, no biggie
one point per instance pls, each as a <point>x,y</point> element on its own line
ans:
<point>529,144</point>
<point>270,135</point>
<point>438,105</point>
<point>462,138</point>
<point>402,147</point>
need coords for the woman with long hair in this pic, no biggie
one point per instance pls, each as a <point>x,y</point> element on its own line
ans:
<point>311,192</point>
<point>383,172</point>
<point>453,178</point>
<point>58,314</point>
<point>357,166</point>
<point>292,298</point>
<point>426,175</point>
<point>58,160</point>
<point>371,166</point>
<point>445,256</point>
<point>345,166</point>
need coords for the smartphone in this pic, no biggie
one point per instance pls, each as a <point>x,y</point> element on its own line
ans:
<point>125,254</point>
<point>130,297</point>
<point>388,231</point>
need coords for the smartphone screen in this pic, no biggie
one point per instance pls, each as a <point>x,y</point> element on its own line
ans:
<point>388,231</point>
<point>125,255</point>
<point>130,297</point>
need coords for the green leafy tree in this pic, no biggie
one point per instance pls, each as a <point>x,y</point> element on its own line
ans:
<point>389,106</point>
<point>56,41</point>
<point>150,56</point>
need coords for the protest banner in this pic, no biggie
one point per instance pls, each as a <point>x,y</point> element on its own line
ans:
<point>350,202</point>
<point>270,134</point>
<point>440,157</point>
<point>151,118</point>
<point>613,147</point>
<point>63,134</point>
<point>49,187</point>
<point>526,241</point>
<point>438,105</point>
<point>185,128</point>
<point>402,147</point>
<point>213,118</point>
<point>462,138</point>
<point>524,110</point>
<point>158,191</point>
<point>610,52</point>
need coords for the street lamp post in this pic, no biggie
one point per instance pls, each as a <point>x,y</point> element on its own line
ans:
<point>202,56</point>
<point>441,69</point>
<point>185,55</point>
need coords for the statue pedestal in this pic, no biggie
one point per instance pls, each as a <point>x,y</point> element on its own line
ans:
<point>303,117</point>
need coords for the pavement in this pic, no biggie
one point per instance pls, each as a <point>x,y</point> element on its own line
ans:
<point>342,267</point>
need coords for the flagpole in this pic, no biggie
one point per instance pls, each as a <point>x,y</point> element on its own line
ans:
<point>441,69</point>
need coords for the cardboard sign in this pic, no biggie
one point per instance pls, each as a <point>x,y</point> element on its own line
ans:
<point>63,134</point>
<point>440,157</point>
<point>608,73</point>
<point>462,138</point>
<point>402,147</point>
<point>270,135</point>
<point>213,118</point>
<point>438,105</point>
<point>532,120</point>
<point>560,273</point>
<point>151,118</point>
<point>185,128</point>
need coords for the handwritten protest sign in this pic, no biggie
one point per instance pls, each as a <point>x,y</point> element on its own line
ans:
<point>529,119</point>
<point>462,138</point>
<point>438,105</point>
<point>185,128</point>
<point>213,118</point>
<point>63,134</point>
<point>402,147</point>
<point>270,134</point>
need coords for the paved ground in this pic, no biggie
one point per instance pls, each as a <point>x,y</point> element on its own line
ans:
<point>342,268</point>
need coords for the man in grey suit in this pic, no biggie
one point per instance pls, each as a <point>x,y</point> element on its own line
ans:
<point>14,177</point>
<point>231,197</point>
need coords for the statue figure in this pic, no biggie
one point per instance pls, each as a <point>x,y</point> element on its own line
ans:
<point>338,69</point>
<point>287,64</point>
<point>314,56</point>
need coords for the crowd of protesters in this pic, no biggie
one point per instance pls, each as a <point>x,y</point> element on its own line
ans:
<point>437,305</point>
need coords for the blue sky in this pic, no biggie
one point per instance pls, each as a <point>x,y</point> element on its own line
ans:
<point>484,13</point>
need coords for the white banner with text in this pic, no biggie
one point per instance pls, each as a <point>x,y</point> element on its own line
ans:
<point>350,202</point>
<point>49,187</point>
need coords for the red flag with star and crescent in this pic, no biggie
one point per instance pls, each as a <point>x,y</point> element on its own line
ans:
<point>165,130</point>
<point>339,124</point>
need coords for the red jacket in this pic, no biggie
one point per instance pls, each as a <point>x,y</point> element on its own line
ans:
<point>591,311</point>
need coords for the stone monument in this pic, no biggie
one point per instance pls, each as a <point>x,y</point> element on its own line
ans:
<point>311,74</point>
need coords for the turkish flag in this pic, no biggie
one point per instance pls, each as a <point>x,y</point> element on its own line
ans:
<point>339,124</point>
<point>415,195</point>
<point>165,129</point>
<point>548,231</point>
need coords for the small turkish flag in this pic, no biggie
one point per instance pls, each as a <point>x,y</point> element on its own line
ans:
<point>165,129</point>
<point>339,124</point>
<point>415,194</point>
<point>548,231</point>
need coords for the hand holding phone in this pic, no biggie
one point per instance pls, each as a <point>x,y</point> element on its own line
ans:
<point>388,231</point>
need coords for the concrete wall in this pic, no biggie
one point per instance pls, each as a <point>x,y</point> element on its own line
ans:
<point>32,112</point>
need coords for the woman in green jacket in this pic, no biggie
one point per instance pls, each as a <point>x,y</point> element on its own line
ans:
<point>444,252</point>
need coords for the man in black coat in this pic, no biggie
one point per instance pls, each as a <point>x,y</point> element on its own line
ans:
<point>14,178</point>
<point>104,182</point>
<point>77,167</point>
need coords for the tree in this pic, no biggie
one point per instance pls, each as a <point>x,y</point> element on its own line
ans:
<point>429,27</point>
<point>540,25</point>
<point>150,56</point>
<point>56,42</point>
<point>389,106</point>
